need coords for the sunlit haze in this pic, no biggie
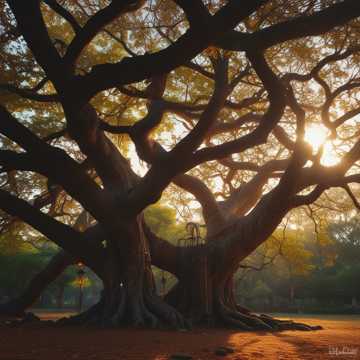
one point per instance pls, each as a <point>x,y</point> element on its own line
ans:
<point>317,135</point>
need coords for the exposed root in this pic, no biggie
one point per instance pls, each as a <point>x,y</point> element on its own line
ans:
<point>166,313</point>
<point>259,323</point>
<point>278,324</point>
<point>233,322</point>
<point>225,312</point>
<point>252,322</point>
<point>148,311</point>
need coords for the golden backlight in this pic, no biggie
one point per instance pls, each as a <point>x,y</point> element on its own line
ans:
<point>317,135</point>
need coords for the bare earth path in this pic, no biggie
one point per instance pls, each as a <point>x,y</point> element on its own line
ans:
<point>340,339</point>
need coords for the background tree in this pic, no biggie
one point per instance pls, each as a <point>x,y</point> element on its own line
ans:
<point>222,99</point>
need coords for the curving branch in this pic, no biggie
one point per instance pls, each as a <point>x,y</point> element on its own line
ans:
<point>195,11</point>
<point>15,131</point>
<point>10,160</point>
<point>310,25</point>
<point>244,198</point>
<point>30,94</point>
<point>183,50</point>
<point>164,255</point>
<point>31,24</point>
<point>213,216</point>
<point>97,23</point>
<point>150,188</point>
<point>64,236</point>
<point>330,97</point>
<point>207,119</point>
<point>54,5</point>
<point>55,135</point>
<point>276,94</point>
<point>54,268</point>
<point>57,264</point>
<point>300,200</point>
<point>51,162</point>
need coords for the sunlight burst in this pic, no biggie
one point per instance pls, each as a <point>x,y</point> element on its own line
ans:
<point>317,135</point>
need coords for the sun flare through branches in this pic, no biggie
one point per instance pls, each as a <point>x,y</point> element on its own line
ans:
<point>317,136</point>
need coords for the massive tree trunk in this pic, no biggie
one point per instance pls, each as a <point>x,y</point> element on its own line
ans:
<point>205,290</point>
<point>205,295</point>
<point>129,296</point>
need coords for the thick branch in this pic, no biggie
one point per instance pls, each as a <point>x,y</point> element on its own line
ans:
<point>64,236</point>
<point>196,136</point>
<point>95,24</point>
<point>45,277</point>
<point>15,131</point>
<point>213,217</point>
<point>53,163</point>
<point>312,25</point>
<point>246,196</point>
<point>184,49</point>
<point>10,160</point>
<point>269,120</point>
<point>163,254</point>
<point>54,5</point>
<point>32,27</point>
<point>29,93</point>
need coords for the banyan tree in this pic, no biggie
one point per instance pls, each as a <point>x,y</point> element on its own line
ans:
<point>215,97</point>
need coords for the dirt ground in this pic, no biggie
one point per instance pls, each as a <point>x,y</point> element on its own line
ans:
<point>340,339</point>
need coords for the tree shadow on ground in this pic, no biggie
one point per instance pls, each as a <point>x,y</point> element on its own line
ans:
<point>305,348</point>
<point>43,342</point>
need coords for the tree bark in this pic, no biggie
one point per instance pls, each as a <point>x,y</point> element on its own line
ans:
<point>205,290</point>
<point>206,297</point>
<point>129,296</point>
